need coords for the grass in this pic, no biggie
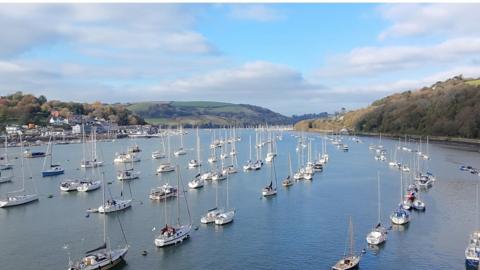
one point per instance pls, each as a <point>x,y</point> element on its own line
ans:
<point>199,104</point>
<point>473,82</point>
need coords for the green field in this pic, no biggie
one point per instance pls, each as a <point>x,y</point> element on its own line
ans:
<point>473,82</point>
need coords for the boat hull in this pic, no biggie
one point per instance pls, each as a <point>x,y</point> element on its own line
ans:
<point>181,234</point>
<point>23,199</point>
<point>118,206</point>
<point>348,263</point>
<point>52,172</point>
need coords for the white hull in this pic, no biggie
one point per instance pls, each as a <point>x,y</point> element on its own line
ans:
<point>18,200</point>
<point>399,220</point>
<point>196,183</point>
<point>89,186</point>
<point>377,237</point>
<point>210,216</point>
<point>118,206</point>
<point>225,218</point>
<point>91,164</point>
<point>103,260</point>
<point>165,168</point>
<point>68,186</point>
<point>269,192</point>
<point>181,234</point>
<point>5,179</point>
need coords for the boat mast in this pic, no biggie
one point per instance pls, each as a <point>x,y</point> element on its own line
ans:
<point>105,216</point>
<point>352,241</point>
<point>178,197</point>
<point>227,192</point>
<point>198,147</point>
<point>290,165</point>
<point>379,199</point>
<point>250,148</point>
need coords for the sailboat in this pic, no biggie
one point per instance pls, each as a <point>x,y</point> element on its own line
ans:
<point>472,252</point>
<point>379,233</point>
<point>113,205</point>
<point>173,234</point>
<point>350,260</point>
<point>271,152</point>
<point>160,154</point>
<point>299,175</point>
<point>211,214</point>
<point>103,257</point>
<point>249,165</point>
<point>231,169</point>
<point>167,166</point>
<point>270,190</point>
<point>128,173</point>
<point>52,169</point>
<point>227,216</point>
<point>218,174</point>
<point>288,181</point>
<point>400,216</point>
<point>5,165</point>
<point>5,178</point>
<point>181,151</point>
<point>194,163</point>
<point>93,162</point>
<point>14,200</point>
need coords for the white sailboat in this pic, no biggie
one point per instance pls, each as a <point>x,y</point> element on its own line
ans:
<point>128,173</point>
<point>159,154</point>
<point>472,252</point>
<point>173,234</point>
<point>5,165</point>
<point>249,165</point>
<point>194,163</point>
<point>379,233</point>
<point>350,260</point>
<point>113,205</point>
<point>226,216</point>
<point>103,257</point>
<point>166,166</point>
<point>288,181</point>
<point>14,198</point>
<point>211,214</point>
<point>93,162</point>
<point>271,190</point>
<point>400,216</point>
<point>181,151</point>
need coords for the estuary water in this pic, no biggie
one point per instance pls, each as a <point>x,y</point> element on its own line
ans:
<point>303,227</point>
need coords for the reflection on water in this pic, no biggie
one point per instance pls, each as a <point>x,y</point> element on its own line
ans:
<point>301,227</point>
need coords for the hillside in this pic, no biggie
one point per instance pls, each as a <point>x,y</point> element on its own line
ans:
<point>21,109</point>
<point>205,113</point>
<point>450,108</point>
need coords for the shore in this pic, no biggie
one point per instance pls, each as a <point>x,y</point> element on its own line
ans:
<point>463,143</point>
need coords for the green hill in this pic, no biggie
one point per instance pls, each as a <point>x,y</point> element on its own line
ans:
<point>205,113</point>
<point>450,108</point>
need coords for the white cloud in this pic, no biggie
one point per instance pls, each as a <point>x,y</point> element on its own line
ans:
<point>261,13</point>
<point>377,60</point>
<point>274,86</point>
<point>430,19</point>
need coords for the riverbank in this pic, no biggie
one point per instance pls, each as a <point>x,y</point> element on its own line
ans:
<point>463,143</point>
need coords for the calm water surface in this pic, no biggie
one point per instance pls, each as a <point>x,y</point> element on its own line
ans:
<point>303,227</point>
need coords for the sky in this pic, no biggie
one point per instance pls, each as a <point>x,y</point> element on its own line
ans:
<point>291,58</point>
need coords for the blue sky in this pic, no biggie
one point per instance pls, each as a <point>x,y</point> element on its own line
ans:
<point>292,58</point>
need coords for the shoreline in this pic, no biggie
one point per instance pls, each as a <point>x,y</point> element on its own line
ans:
<point>454,141</point>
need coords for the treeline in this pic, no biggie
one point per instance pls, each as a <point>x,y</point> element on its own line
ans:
<point>296,118</point>
<point>450,108</point>
<point>19,108</point>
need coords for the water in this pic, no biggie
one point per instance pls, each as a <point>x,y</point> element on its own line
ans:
<point>303,227</point>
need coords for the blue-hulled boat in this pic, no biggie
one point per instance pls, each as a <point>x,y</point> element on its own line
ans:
<point>51,169</point>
